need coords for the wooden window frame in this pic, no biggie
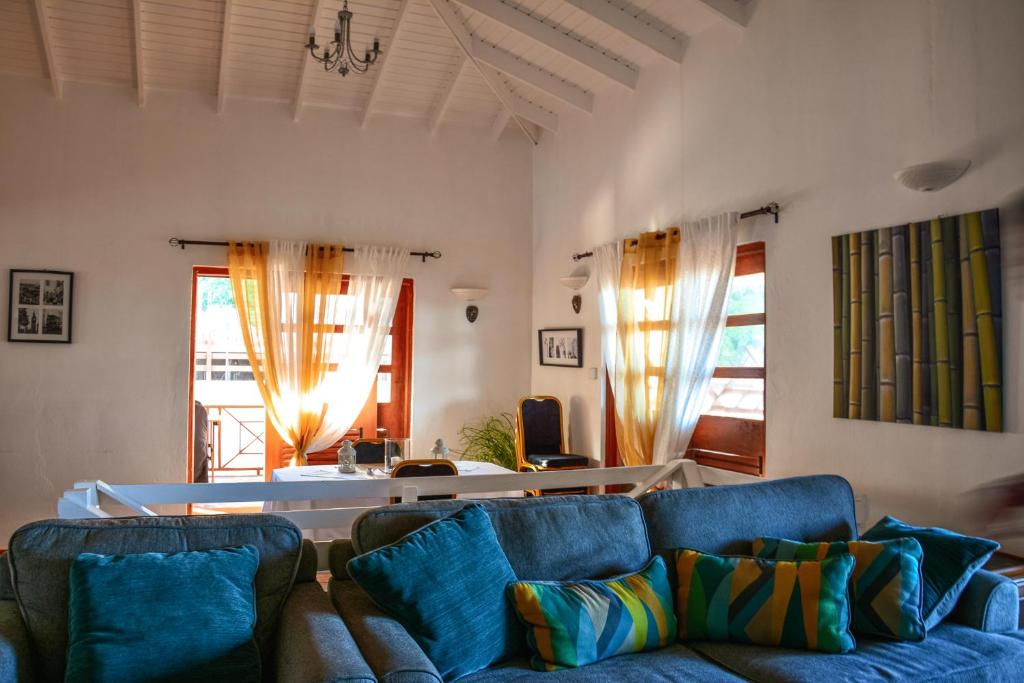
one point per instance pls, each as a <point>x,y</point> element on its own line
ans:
<point>734,443</point>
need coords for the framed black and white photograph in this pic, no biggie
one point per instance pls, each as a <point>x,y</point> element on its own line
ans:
<point>561,347</point>
<point>39,306</point>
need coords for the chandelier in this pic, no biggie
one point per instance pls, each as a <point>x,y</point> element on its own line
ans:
<point>340,56</point>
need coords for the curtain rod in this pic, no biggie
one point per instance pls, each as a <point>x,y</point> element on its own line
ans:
<point>771,209</point>
<point>177,242</point>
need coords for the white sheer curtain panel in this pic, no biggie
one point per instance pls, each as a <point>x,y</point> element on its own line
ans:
<point>608,261</point>
<point>707,261</point>
<point>367,313</point>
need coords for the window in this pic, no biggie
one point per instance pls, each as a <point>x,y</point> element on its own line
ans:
<point>731,431</point>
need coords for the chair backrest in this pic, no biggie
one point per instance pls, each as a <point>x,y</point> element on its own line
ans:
<point>538,427</point>
<point>201,444</point>
<point>41,554</point>
<point>425,468</point>
<point>369,451</point>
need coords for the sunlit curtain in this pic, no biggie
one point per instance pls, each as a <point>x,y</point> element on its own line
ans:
<point>608,262</point>
<point>645,297</point>
<point>288,297</point>
<point>704,273</point>
<point>369,311</point>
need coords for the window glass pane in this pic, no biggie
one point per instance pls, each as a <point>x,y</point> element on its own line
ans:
<point>742,347</point>
<point>238,361</point>
<point>747,294</point>
<point>200,375</point>
<point>735,398</point>
<point>217,375</point>
<point>242,376</point>
<point>383,387</point>
<point>217,361</point>
<point>385,359</point>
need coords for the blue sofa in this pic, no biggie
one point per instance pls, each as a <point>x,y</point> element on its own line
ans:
<point>560,538</point>
<point>300,636</point>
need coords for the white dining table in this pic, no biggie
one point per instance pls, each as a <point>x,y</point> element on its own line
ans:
<point>363,473</point>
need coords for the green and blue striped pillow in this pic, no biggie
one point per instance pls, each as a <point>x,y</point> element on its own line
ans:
<point>885,589</point>
<point>573,623</point>
<point>767,602</point>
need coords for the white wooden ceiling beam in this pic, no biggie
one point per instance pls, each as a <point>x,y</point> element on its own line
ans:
<point>140,81</point>
<point>464,40</point>
<point>225,41</point>
<point>730,11</point>
<point>382,66</point>
<point>446,98</point>
<point>554,39</point>
<point>56,79</point>
<point>624,19</point>
<point>307,66</point>
<point>499,125</point>
<point>510,65</point>
<point>531,112</point>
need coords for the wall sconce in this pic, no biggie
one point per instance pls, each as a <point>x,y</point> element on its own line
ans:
<point>470,294</point>
<point>933,176</point>
<point>575,283</point>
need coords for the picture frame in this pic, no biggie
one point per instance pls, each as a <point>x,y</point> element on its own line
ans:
<point>39,306</point>
<point>560,347</point>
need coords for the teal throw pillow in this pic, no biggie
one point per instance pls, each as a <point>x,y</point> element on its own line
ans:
<point>950,560</point>
<point>185,616</point>
<point>885,589</point>
<point>445,583</point>
<point>572,623</point>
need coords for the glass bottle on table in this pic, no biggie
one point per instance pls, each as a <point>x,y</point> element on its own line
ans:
<point>346,458</point>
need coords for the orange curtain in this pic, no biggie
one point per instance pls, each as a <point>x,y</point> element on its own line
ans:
<point>288,297</point>
<point>645,296</point>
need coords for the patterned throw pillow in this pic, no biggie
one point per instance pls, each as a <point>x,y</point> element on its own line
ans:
<point>885,590</point>
<point>950,560</point>
<point>767,602</point>
<point>572,623</point>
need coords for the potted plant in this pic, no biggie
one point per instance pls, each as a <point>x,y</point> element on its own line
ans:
<point>491,439</point>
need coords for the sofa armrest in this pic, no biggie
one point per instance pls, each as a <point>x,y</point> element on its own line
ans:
<point>313,645</point>
<point>990,602</point>
<point>15,653</point>
<point>389,649</point>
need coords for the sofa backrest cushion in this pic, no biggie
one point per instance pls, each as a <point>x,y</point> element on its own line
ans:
<point>41,554</point>
<point>726,519</point>
<point>552,538</point>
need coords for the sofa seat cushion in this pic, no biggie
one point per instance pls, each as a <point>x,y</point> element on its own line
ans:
<point>557,460</point>
<point>676,663</point>
<point>41,554</point>
<point>950,653</point>
<point>557,538</point>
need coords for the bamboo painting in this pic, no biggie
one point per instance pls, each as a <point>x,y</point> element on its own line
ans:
<point>917,323</point>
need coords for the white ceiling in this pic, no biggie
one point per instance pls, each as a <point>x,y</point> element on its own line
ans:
<point>488,64</point>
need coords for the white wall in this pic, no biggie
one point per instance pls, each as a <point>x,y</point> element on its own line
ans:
<point>96,186</point>
<point>815,105</point>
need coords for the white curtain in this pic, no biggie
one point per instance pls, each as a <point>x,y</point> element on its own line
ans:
<point>608,261</point>
<point>366,313</point>
<point>707,261</point>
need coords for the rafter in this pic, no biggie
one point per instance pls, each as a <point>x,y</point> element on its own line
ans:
<point>555,39</point>
<point>140,83</point>
<point>446,98</point>
<point>225,40</point>
<point>382,67</point>
<point>624,19</point>
<point>465,42</point>
<point>731,11</point>
<point>56,80</point>
<point>306,67</point>
<point>510,65</point>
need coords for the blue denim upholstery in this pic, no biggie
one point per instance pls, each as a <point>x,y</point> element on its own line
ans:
<point>673,663</point>
<point>990,602</point>
<point>951,652</point>
<point>724,520</point>
<point>555,538</point>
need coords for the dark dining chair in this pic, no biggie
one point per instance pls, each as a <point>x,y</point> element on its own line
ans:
<point>201,444</point>
<point>425,468</point>
<point>369,451</point>
<point>540,441</point>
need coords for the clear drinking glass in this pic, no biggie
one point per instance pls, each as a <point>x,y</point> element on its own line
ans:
<point>395,450</point>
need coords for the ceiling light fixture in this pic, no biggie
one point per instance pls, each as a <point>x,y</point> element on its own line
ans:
<point>340,56</point>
